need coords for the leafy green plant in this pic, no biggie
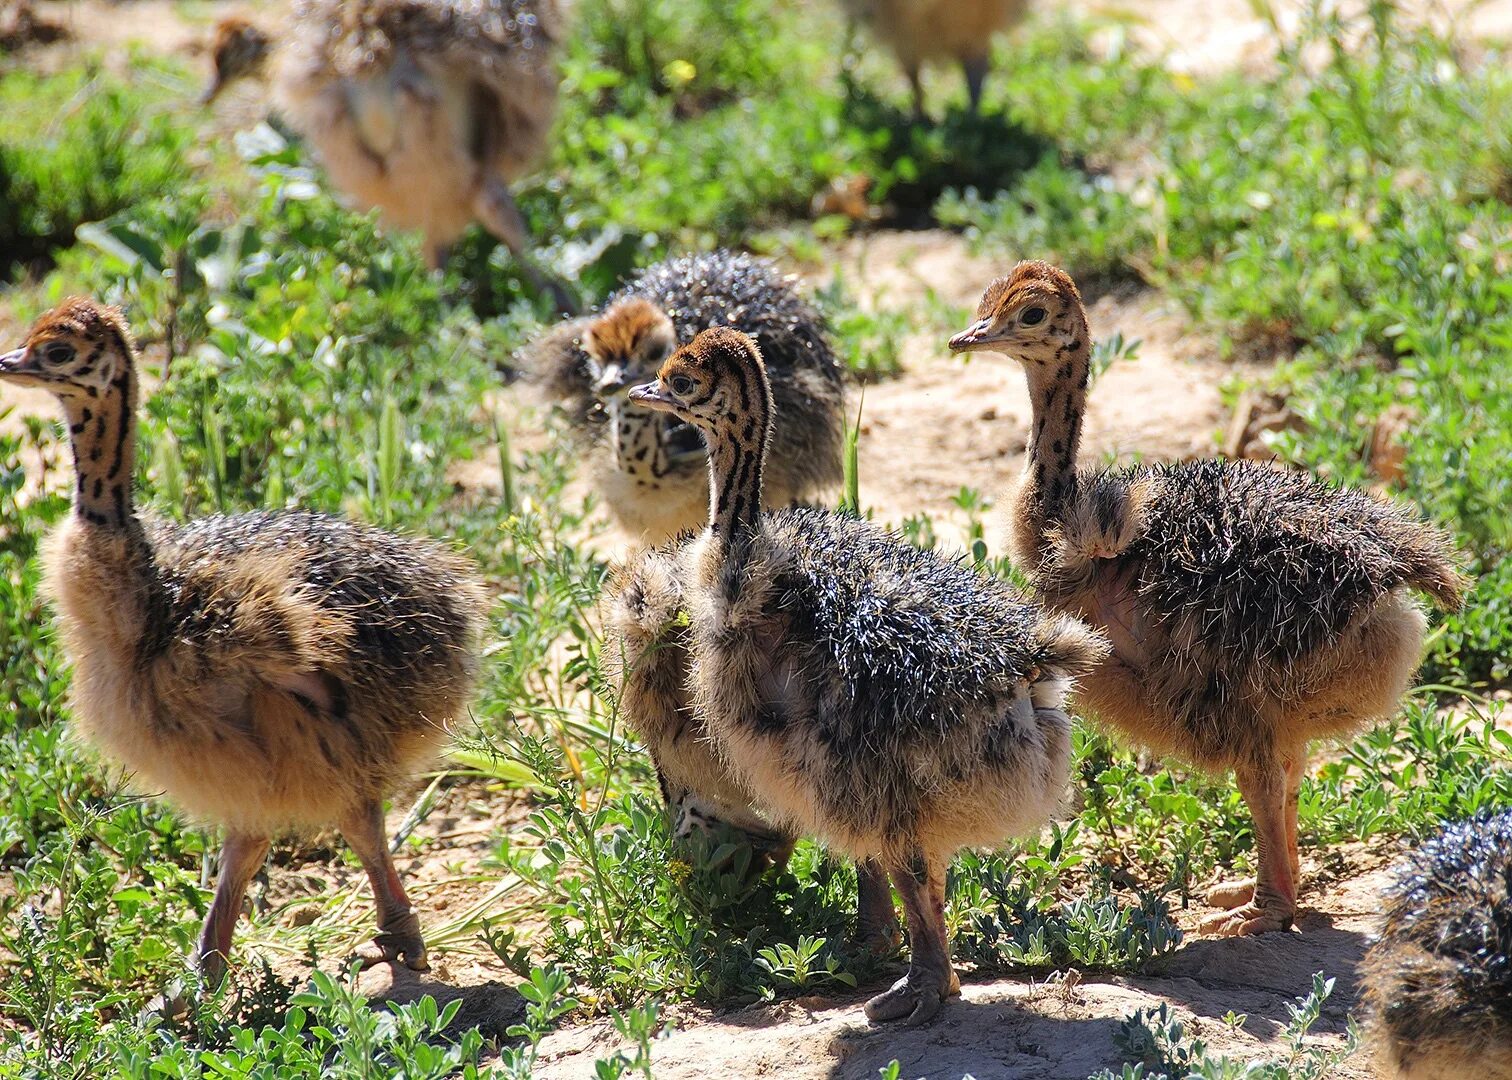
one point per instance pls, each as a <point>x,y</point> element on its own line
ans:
<point>80,145</point>
<point>631,912</point>
<point>641,1027</point>
<point>1158,1047</point>
<point>803,966</point>
<point>546,1001</point>
<point>1008,918</point>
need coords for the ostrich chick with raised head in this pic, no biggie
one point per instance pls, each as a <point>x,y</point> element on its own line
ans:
<point>264,670</point>
<point>1438,982</point>
<point>891,702</point>
<point>425,109</point>
<point>923,31</point>
<point>650,467</point>
<point>1251,610</point>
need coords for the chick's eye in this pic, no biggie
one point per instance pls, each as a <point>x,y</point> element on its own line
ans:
<point>58,353</point>
<point>681,385</point>
<point>1032,316</point>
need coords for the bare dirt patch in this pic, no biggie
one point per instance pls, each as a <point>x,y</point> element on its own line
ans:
<point>1204,37</point>
<point>1059,1029</point>
<point>114,29</point>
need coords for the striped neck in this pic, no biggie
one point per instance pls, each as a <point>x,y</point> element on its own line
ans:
<point>103,431</point>
<point>1058,393</point>
<point>737,454</point>
<point>636,436</point>
<point>735,489</point>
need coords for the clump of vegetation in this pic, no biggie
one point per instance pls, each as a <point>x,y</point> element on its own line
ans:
<point>80,145</point>
<point>1158,1047</point>
<point>630,911</point>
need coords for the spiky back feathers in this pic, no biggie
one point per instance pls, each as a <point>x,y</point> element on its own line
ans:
<point>394,610</point>
<point>489,36</point>
<point>696,292</point>
<point>1442,969</point>
<point>727,288</point>
<point>1268,563</point>
<point>900,642</point>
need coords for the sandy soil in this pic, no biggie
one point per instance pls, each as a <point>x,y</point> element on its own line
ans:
<point>949,423</point>
<point>1206,36</point>
<point>1196,36</point>
<point>1061,1028</point>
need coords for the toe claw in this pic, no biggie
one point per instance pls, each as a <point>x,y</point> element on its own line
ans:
<point>906,1002</point>
<point>1232,894</point>
<point>1248,920</point>
<point>388,948</point>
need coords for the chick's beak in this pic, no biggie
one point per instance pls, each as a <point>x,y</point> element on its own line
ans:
<point>651,395</point>
<point>974,336</point>
<point>18,362</point>
<point>611,380</point>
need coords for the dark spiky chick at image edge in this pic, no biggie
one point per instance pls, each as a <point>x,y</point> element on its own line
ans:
<point>1438,982</point>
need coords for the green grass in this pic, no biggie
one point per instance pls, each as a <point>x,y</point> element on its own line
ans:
<point>78,146</point>
<point>307,359</point>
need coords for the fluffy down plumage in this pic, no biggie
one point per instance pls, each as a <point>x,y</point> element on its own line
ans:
<point>489,63</point>
<point>659,495</point>
<point>648,618</point>
<point>425,109</point>
<point>266,670</point>
<point>1250,610</point>
<point>1438,983</point>
<point>924,30</point>
<point>867,690</point>
<point>1231,582</point>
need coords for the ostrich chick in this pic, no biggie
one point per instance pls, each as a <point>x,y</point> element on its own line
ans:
<point>425,109</point>
<point>650,468</point>
<point>920,31</point>
<point>895,704</point>
<point>1438,983</point>
<point>263,670</point>
<point>648,620</point>
<point>1251,610</point>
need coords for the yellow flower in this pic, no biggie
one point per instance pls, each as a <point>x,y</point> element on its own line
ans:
<point>679,73</point>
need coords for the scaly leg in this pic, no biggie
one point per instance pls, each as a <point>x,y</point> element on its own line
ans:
<point>1232,894</point>
<point>398,925</point>
<point>241,857</point>
<point>1275,898</point>
<point>496,208</point>
<point>877,929</point>
<point>917,997</point>
<point>1295,765</point>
